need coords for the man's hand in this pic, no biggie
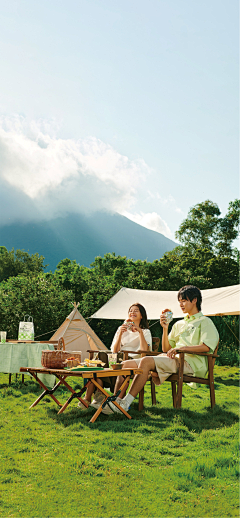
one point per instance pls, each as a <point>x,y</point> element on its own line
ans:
<point>173,351</point>
<point>163,322</point>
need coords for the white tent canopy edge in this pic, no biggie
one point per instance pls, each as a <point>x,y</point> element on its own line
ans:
<point>216,301</point>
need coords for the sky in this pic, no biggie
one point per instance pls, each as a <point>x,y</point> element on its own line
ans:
<point>122,105</point>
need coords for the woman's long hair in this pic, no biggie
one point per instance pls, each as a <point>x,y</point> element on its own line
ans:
<point>143,323</point>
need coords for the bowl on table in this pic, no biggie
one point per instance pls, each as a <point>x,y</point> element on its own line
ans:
<point>116,366</point>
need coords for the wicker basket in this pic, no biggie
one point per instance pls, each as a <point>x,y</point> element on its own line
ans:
<point>56,359</point>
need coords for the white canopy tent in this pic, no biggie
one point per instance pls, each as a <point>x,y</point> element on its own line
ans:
<point>217,301</point>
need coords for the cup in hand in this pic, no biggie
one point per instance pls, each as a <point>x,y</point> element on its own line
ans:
<point>168,316</point>
<point>129,324</point>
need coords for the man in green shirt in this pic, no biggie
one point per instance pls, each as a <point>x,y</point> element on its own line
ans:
<point>195,333</point>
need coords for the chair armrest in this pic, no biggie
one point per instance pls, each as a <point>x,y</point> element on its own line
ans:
<point>145,353</point>
<point>199,354</point>
<point>91,352</point>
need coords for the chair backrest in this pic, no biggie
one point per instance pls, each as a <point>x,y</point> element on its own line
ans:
<point>155,343</point>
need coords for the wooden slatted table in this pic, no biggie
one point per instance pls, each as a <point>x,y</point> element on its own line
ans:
<point>91,376</point>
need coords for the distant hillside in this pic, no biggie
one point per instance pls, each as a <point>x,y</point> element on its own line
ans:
<point>84,237</point>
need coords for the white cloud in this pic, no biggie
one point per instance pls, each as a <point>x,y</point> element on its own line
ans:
<point>45,176</point>
<point>150,220</point>
<point>170,201</point>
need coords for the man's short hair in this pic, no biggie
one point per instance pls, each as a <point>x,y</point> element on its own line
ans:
<point>189,293</point>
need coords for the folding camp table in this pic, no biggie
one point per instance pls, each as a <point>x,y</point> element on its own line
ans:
<point>91,376</point>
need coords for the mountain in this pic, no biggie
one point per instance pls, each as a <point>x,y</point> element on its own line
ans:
<point>82,238</point>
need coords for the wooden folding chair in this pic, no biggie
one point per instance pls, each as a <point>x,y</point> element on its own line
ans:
<point>179,378</point>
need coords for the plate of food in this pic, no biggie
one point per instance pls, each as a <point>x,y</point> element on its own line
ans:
<point>84,368</point>
<point>89,365</point>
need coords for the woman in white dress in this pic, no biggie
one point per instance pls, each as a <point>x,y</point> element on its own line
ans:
<point>138,337</point>
<point>133,337</point>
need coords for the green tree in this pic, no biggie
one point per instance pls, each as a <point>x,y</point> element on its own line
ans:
<point>13,263</point>
<point>203,228</point>
<point>200,267</point>
<point>229,229</point>
<point>39,297</point>
<point>71,276</point>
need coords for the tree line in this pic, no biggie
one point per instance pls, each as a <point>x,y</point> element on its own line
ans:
<point>205,257</point>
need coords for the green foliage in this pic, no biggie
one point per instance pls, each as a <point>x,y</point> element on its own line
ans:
<point>228,355</point>
<point>39,297</point>
<point>71,276</point>
<point>228,328</point>
<point>17,263</point>
<point>203,228</point>
<point>197,266</point>
<point>163,462</point>
<point>229,228</point>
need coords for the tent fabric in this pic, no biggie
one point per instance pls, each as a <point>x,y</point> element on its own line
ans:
<point>217,301</point>
<point>78,335</point>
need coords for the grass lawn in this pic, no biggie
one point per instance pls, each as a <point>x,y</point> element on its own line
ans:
<point>162,463</point>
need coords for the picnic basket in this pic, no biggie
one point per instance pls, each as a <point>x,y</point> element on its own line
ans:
<point>55,359</point>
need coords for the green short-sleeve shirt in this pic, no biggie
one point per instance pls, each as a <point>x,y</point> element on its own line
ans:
<point>195,330</point>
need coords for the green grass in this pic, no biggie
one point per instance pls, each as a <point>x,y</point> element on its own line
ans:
<point>162,463</point>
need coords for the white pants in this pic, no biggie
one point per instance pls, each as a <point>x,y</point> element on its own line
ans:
<point>166,366</point>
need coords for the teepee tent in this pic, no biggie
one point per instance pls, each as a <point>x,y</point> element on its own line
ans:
<point>78,335</point>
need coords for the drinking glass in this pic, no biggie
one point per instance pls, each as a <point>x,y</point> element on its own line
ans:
<point>3,337</point>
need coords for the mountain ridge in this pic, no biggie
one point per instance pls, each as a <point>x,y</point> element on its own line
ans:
<point>83,238</point>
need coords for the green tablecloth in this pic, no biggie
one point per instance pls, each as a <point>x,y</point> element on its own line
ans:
<point>16,355</point>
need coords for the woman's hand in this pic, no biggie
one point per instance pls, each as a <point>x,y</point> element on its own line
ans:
<point>163,322</point>
<point>123,328</point>
<point>136,328</point>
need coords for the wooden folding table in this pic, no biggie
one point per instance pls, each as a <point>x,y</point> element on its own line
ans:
<point>91,376</point>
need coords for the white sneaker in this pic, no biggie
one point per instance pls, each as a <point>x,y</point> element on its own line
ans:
<point>98,400</point>
<point>107,410</point>
<point>80,405</point>
<point>111,408</point>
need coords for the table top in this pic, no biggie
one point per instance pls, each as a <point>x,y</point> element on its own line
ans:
<point>12,341</point>
<point>84,374</point>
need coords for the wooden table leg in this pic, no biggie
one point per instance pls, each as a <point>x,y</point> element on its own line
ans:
<point>46,392</point>
<point>109,398</point>
<point>99,410</point>
<point>10,377</point>
<point>74,394</point>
